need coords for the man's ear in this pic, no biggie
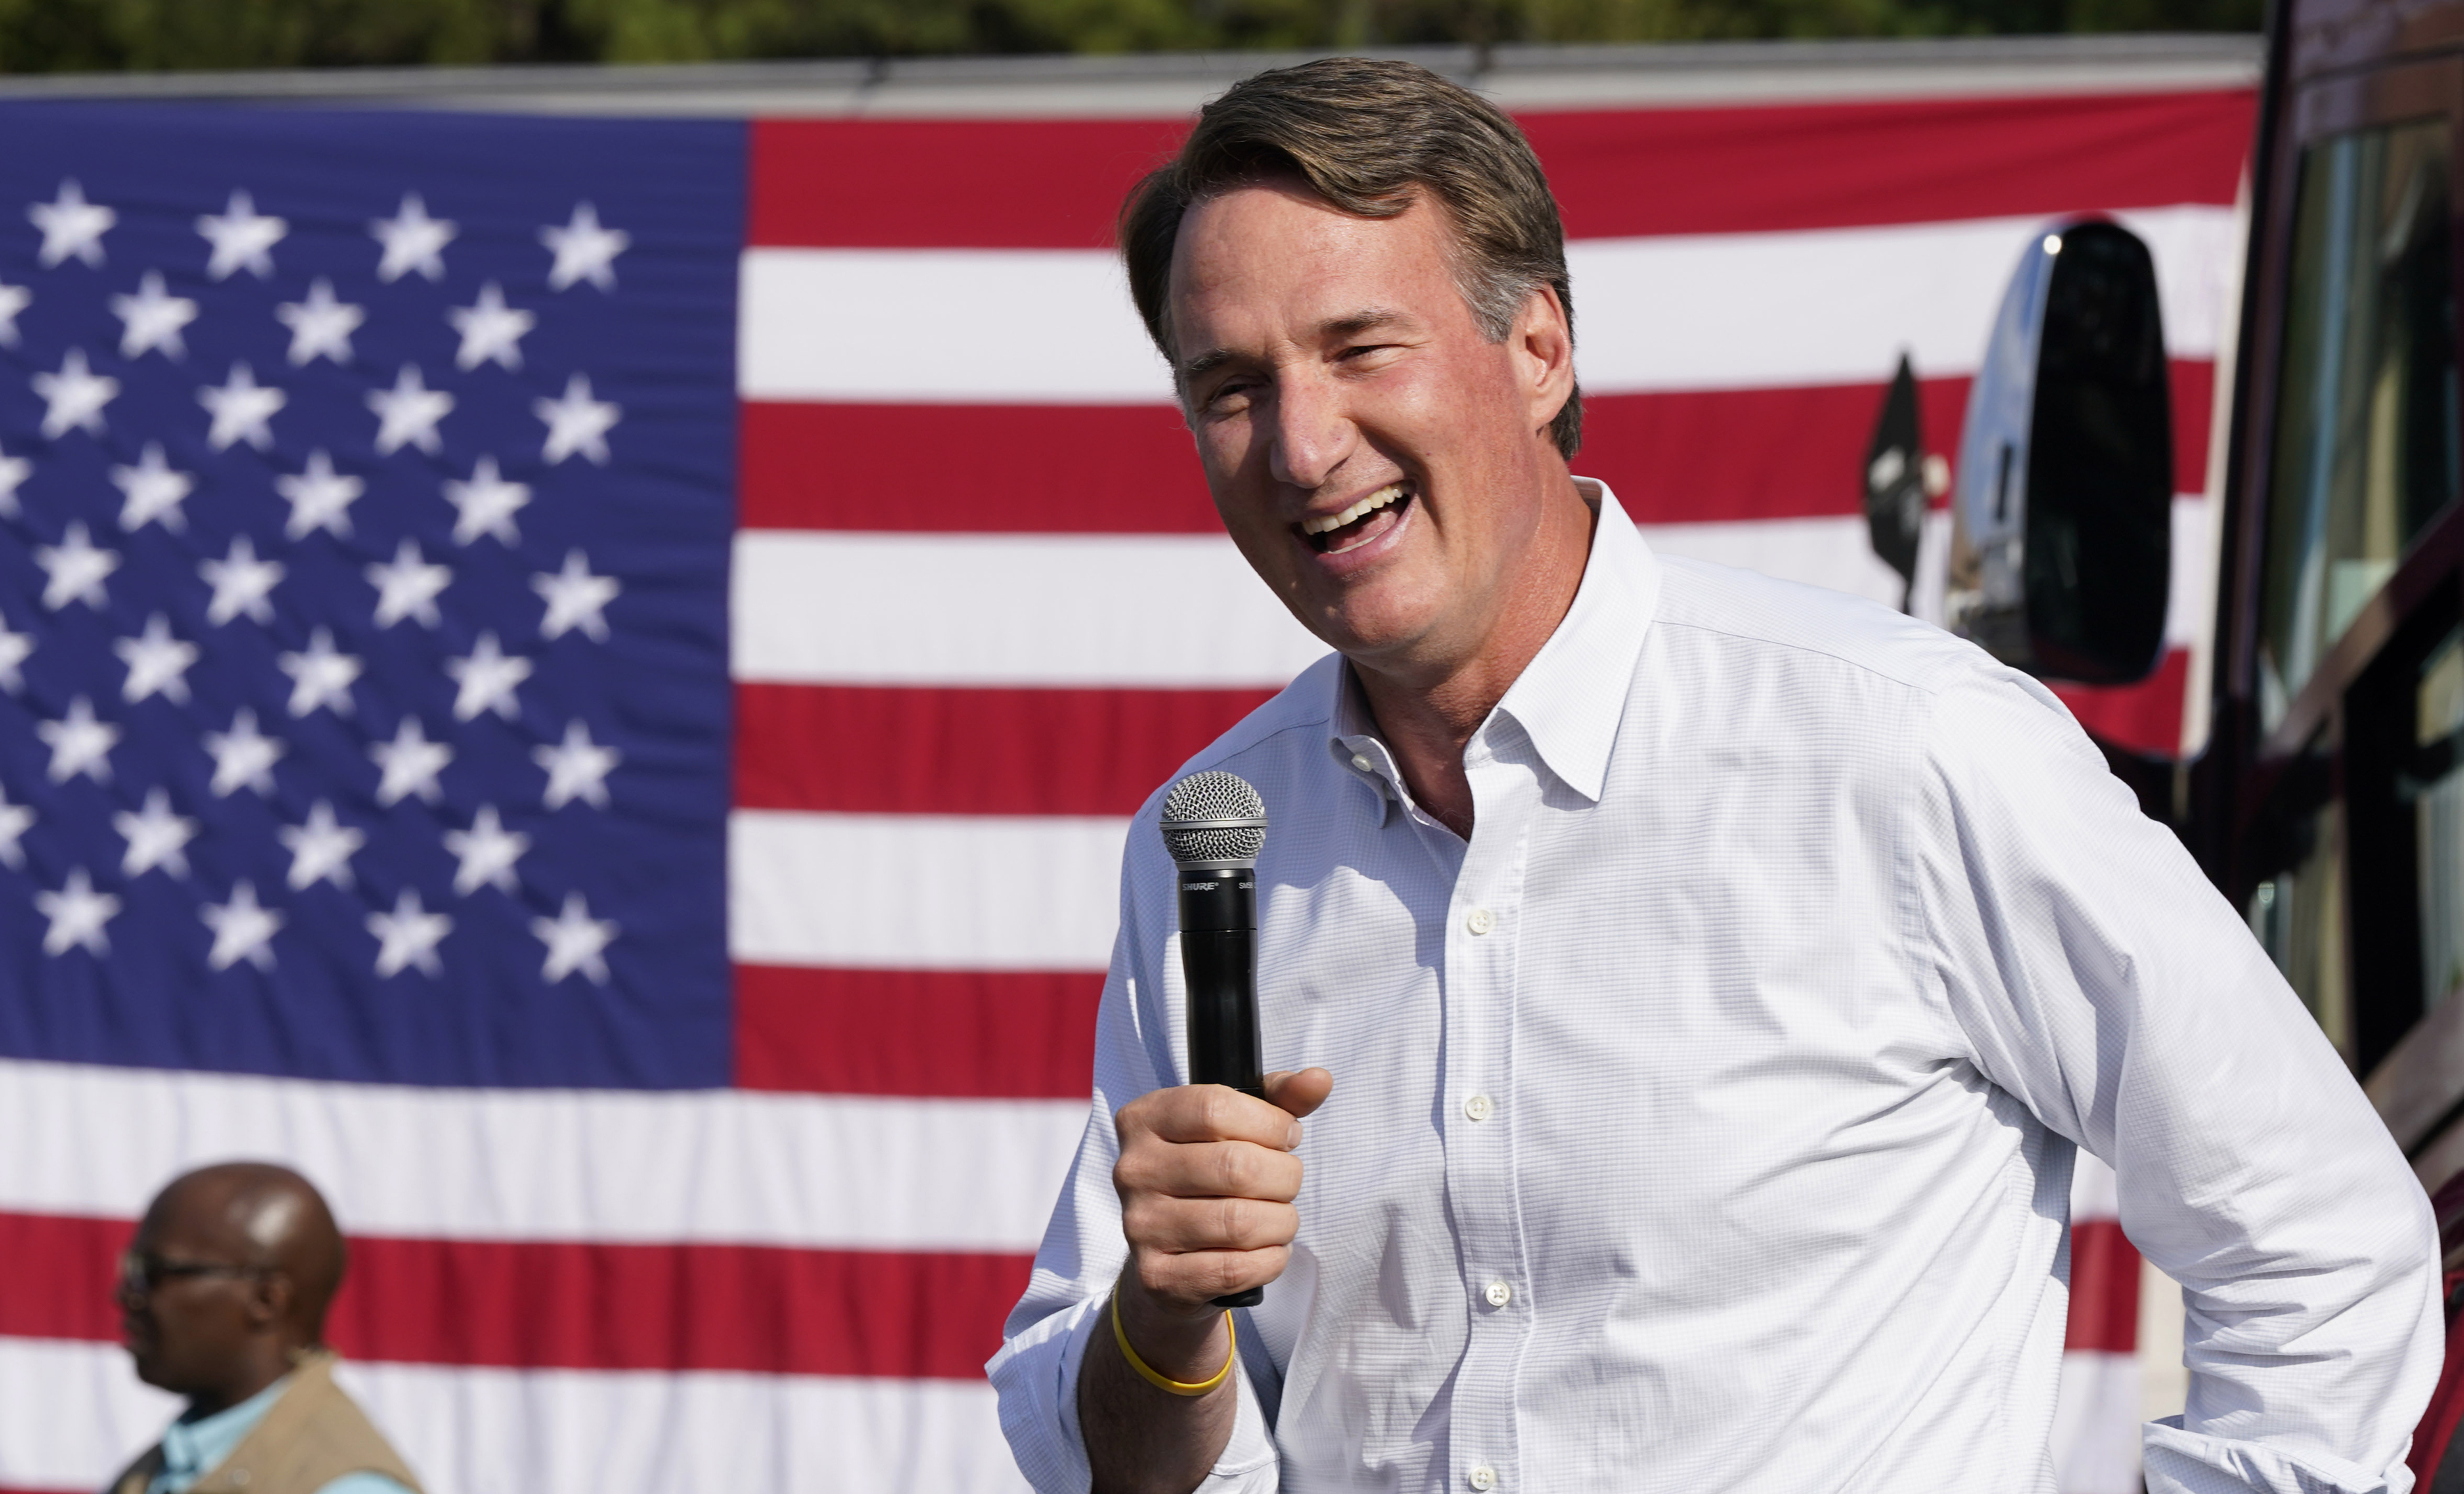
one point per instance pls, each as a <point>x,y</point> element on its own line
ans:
<point>1542,344</point>
<point>269,1297</point>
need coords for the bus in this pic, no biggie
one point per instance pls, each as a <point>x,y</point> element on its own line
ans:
<point>2327,798</point>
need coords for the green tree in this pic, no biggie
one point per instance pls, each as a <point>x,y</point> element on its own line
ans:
<point>103,35</point>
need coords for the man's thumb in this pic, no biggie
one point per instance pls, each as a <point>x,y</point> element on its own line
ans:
<point>1299,1093</point>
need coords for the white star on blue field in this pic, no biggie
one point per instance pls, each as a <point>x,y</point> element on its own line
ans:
<point>367,485</point>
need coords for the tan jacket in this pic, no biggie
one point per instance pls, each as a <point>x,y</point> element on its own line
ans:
<point>314,1435</point>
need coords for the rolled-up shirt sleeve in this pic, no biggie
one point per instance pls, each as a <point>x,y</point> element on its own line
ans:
<point>1044,1341</point>
<point>2099,977</point>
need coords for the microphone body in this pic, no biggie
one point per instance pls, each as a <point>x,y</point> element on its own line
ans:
<point>1218,937</point>
<point>1214,824</point>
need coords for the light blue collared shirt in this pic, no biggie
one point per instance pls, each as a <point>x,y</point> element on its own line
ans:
<point>193,1446</point>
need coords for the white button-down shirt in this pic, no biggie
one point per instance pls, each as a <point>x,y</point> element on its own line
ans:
<point>1706,1121</point>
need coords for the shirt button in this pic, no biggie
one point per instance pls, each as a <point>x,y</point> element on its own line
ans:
<point>1480,920</point>
<point>1361,761</point>
<point>1479,1108</point>
<point>1499,1295</point>
<point>1483,1477</point>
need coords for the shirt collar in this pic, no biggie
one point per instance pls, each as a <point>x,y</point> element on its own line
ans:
<point>1571,697</point>
<point>192,1445</point>
<point>1353,742</point>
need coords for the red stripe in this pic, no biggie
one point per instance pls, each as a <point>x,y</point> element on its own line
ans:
<point>1733,454</point>
<point>1673,458</point>
<point>2194,396</point>
<point>1756,169</point>
<point>858,750</point>
<point>2146,718</point>
<point>971,468</point>
<point>1029,1035</point>
<point>2104,1289</point>
<point>912,184</point>
<point>58,1283</point>
<point>554,1305</point>
<point>1058,183</point>
<point>753,1309</point>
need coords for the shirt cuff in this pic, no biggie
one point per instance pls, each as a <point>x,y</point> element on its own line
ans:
<point>2178,1462</point>
<point>1248,1463</point>
<point>1036,1374</point>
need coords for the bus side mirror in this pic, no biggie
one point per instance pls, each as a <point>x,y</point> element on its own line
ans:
<point>2061,527</point>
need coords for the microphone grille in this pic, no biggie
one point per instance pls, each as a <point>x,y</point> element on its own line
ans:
<point>1212,818</point>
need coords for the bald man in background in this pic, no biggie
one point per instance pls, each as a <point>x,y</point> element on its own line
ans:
<point>222,1298</point>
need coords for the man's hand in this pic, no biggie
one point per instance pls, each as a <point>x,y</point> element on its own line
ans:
<point>1207,1179</point>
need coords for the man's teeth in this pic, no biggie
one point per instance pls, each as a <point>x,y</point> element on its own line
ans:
<point>1327,523</point>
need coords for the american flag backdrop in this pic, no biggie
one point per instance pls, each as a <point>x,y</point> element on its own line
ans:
<point>581,679</point>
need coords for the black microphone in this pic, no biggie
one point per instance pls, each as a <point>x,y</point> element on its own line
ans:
<point>1214,826</point>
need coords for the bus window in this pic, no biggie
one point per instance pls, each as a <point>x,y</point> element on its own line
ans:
<point>2367,441</point>
<point>2298,915</point>
<point>2436,787</point>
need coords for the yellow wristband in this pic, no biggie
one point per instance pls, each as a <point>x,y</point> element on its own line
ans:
<point>1147,1372</point>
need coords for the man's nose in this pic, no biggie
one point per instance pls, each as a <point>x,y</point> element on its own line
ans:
<point>1314,429</point>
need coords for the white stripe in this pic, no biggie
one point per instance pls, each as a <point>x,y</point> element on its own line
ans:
<point>1711,311</point>
<point>831,1171</point>
<point>73,1413</point>
<point>1741,311</point>
<point>2163,1380</point>
<point>1161,611</point>
<point>2095,1441</point>
<point>2094,1190</point>
<point>2190,605</point>
<point>1735,73</point>
<point>1007,610</point>
<point>1834,551</point>
<point>1838,551</point>
<point>1001,326</point>
<point>923,891</point>
<point>2207,543</point>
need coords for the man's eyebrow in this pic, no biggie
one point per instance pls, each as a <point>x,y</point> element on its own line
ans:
<point>1369,319</point>
<point>1205,362</point>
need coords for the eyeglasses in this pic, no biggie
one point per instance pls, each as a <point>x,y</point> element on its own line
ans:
<point>140,1274</point>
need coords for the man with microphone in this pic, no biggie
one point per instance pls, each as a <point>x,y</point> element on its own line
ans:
<point>1716,976</point>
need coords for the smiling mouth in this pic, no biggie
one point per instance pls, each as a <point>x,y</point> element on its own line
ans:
<point>1332,534</point>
